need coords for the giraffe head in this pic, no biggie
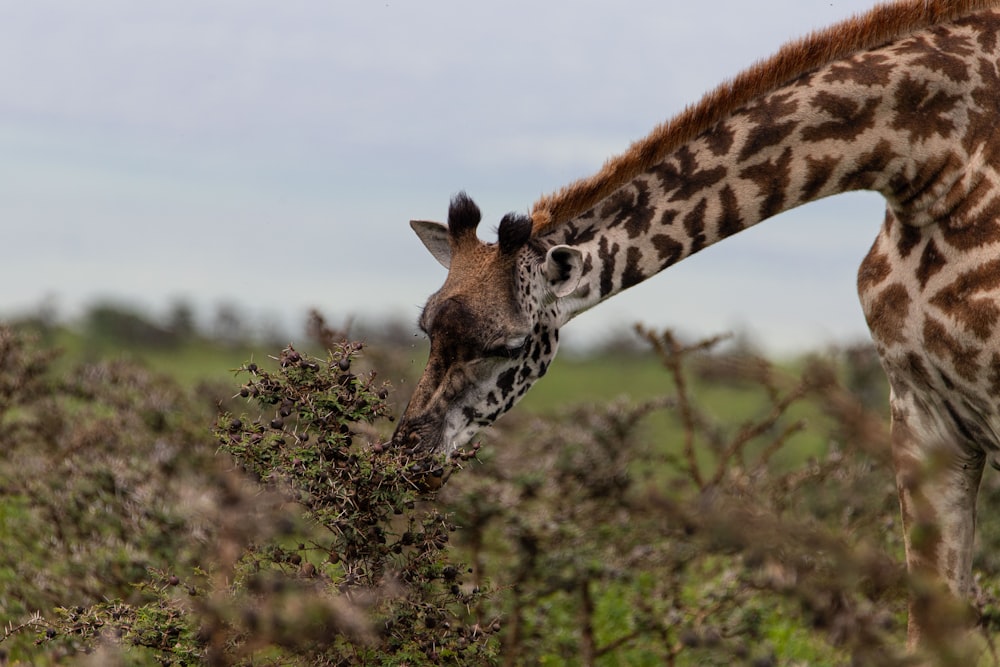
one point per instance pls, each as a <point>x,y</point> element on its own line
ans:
<point>493,325</point>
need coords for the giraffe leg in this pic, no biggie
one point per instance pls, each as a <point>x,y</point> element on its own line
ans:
<point>938,482</point>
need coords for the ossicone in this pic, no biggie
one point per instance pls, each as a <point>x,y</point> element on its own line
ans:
<point>513,233</point>
<point>463,215</point>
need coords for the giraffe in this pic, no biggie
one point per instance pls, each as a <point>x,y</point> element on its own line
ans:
<point>903,101</point>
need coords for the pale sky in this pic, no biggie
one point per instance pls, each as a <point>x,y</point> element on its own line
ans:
<point>270,154</point>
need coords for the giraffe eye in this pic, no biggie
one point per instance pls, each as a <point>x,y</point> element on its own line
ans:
<point>509,348</point>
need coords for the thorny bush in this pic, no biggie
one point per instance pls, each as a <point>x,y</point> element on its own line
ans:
<point>96,463</point>
<point>314,544</point>
<point>298,536</point>
<point>374,543</point>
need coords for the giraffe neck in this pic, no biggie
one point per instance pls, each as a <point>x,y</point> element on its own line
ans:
<point>908,120</point>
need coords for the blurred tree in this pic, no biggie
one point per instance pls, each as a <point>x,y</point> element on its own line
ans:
<point>229,325</point>
<point>114,324</point>
<point>181,321</point>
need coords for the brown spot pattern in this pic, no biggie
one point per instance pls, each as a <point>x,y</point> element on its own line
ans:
<point>915,369</point>
<point>871,69</point>
<point>982,134</point>
<point>574,235</point>
<point>870,166</point>
<point>632,275</point>
<point>668,217</point>
<point>730,221</point>
<point>720,141</point>
<point>993,374</point>
<point>984,230</point>
<point>772,178</point>
<point>931,262</point>
<point>922,112</point>
<point>888,312</point>
<point>873,271</point>
<point>907,190</point>
<point>943,56</point>
<point>684,177</point>
<point>694,225</point>
<point>641,216</point>
<point>606,253</point>
<point>667,249</point>
<point>909,238</point>
<point>987,28</point>
<point>940,343</point>
<point>630,208</point>
<point>849,118</point>
<point>765,117</point>
<point>959,205</point>
<point>765,136</point>
<point>819,171</point>
<point>977,315</point>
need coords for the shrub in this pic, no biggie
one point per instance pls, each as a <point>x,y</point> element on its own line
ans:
<point>294,534</point>
<point>314,545</point>
<point>97,464</point>
<point>375,546</point>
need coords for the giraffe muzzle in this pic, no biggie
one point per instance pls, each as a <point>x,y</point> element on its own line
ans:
<point>420,433</point>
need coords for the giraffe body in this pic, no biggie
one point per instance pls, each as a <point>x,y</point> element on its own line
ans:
<point>904,101</point>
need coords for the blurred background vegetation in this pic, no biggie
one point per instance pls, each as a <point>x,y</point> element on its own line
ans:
<point>176,493</point>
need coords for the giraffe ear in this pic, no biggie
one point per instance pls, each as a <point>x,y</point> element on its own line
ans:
<point>564,269</point>
<point>434,236</point>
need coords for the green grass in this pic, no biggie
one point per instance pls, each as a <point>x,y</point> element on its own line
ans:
<point>580,379</point>
<point>195,361</point>
<point>575,379</point>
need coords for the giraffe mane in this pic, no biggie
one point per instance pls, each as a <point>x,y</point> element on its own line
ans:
<point>862,32</point>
